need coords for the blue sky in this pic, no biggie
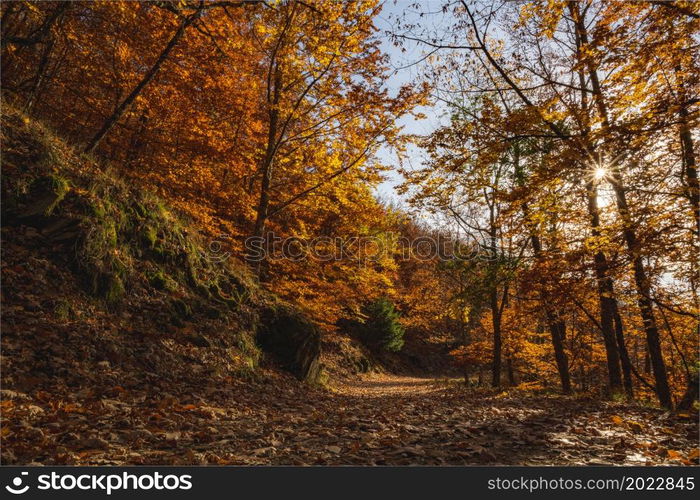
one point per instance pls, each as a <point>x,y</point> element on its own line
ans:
<point>404,73</point>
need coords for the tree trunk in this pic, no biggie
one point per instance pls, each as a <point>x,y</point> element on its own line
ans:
<point>641,282</point>
<point>647,361</point>
<point>606,298</point>
<point>266,167</point>
<point>691,171</point>
<point>691,394</point>
<point>689,163</point>
<point>511,372</point>
<point>39,77</point>
<point>624,354</point>
<point>557,328</point>
<point>633,247</point>
<point>150,74</point>
<point>605,286</point>
<point>493,296</point>
<point>497,340</point>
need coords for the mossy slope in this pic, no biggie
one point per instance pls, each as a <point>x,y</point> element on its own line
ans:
<point>126,246</point>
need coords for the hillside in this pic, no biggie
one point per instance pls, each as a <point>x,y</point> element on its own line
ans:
<point>107,291</point>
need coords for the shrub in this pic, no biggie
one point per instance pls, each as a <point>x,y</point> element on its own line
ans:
<point>382,328</point>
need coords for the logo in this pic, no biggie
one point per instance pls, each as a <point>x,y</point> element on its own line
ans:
<point>17,482</point>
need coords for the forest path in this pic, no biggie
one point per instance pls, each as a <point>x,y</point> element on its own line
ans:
<point>388,386</point>
<point>394,420</point>
<point>385,419</point>
<point>376,420</point>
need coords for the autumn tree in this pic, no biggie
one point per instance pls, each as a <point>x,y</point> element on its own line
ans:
<point>586,129</point>
<point>326,106</point>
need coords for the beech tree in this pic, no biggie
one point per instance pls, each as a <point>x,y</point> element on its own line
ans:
<point>581,78</point>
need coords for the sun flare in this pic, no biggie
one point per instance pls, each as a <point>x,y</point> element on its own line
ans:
<point>600,173</point>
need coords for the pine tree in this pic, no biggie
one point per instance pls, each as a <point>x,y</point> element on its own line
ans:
<point>382,328</point>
